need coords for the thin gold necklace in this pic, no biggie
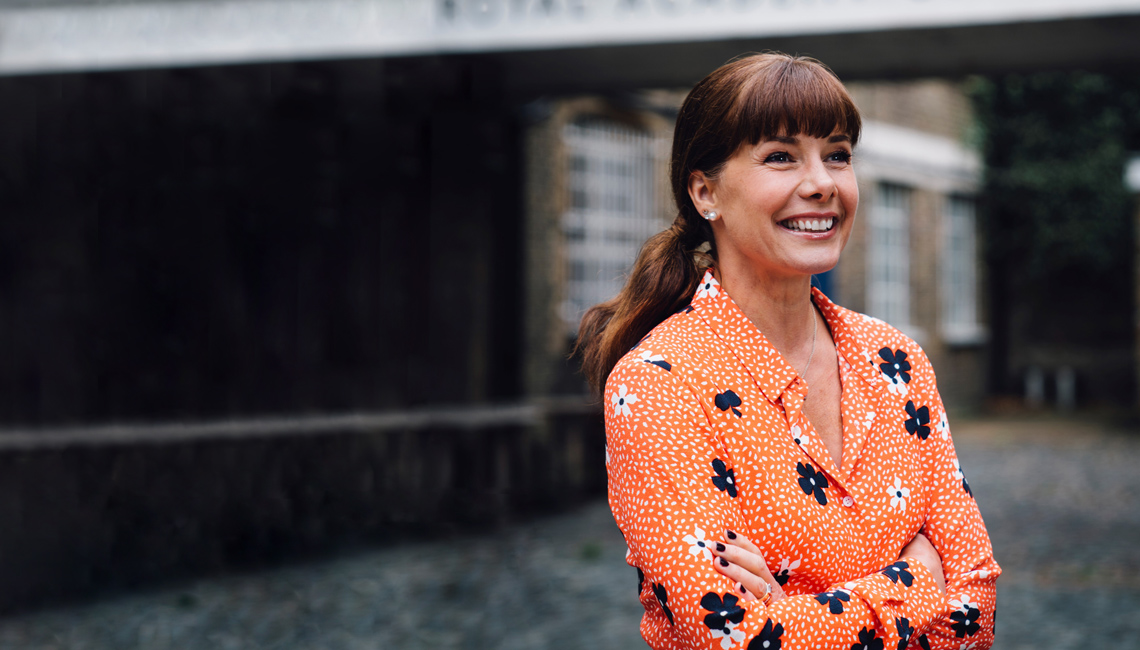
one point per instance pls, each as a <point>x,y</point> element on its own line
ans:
<point>811,355</point>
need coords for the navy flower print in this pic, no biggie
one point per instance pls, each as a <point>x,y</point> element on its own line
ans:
<point>919,420</point>
<point>902,625</point>
<point>895,364</point>
<point>728,400</point>
<point>834,600</point>
<point>812,482</point>
<point>663,600</point>
<point>867,641</point>
<point>769,637</point>
<point>924,642</point>
<point>725,479</point>
<point>965,621</point>
<point>640,580</point>
<point>723,612</point>
<point>898,571</point>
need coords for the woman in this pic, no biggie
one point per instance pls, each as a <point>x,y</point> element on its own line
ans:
<point>780,466</point>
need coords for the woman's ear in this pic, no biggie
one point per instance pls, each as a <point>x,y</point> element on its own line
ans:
<point>702,192</point>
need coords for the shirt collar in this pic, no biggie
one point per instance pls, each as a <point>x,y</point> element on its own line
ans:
<point>767,366</point>
<point>852,338</point>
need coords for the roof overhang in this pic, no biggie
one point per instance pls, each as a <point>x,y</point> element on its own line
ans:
<point>547,45</point>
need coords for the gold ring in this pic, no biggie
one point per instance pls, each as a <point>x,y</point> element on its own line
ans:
<point>767,597</point>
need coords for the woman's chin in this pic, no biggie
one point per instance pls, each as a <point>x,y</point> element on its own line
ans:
<point>816,266</point>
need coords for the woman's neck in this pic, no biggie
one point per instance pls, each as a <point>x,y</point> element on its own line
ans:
<point>781,307</point>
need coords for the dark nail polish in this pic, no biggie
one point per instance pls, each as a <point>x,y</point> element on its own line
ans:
<point>723,562</point>
<point>731,535</point>
<point>720,547</point>
<point>743,590</point>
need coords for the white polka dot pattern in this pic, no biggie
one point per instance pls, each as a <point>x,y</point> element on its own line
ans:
<point>706,433</point>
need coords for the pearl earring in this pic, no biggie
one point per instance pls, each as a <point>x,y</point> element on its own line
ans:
<point>710,215</point>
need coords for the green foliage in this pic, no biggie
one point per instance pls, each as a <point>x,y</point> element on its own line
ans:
<point>1055,147</point>
<point>590,551</point>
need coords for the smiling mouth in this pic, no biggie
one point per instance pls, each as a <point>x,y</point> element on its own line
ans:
<point>809,225</point>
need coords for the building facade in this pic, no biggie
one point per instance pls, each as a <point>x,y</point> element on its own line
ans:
<point>912,260</point>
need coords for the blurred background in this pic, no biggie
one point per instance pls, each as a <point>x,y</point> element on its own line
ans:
<point>287,289</point>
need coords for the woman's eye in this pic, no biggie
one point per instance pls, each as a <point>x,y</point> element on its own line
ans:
<point>840,156</point>
<point>778,157</point>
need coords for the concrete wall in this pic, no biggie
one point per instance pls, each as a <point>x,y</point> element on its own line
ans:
<point>90,519</point>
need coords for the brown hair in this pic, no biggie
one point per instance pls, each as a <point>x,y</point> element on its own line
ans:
<point>747,100</point>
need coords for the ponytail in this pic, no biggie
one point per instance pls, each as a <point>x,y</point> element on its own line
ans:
<point>663,280</point>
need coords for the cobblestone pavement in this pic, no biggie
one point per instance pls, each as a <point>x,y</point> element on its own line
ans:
<point>1061,498</point>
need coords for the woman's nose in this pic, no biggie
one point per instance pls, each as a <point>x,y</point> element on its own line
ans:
<point>817,182</point>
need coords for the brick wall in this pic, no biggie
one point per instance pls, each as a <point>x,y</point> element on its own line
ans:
<point>934,106</point>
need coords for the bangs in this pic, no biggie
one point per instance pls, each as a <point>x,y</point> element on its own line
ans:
<point>750,99</point>
<point>790,97</point>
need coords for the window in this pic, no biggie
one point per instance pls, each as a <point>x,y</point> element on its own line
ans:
<point>888,256</point>
<point>959,273</point>
<point>612,210</point>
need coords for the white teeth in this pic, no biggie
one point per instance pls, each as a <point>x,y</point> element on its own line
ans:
<point>810,225</point>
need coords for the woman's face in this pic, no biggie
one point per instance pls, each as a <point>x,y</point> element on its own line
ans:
<point>785,205</point>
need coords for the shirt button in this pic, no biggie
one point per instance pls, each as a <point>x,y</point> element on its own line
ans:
<point>848,502</point>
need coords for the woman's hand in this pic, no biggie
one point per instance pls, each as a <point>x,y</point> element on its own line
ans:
<point>922,550</point>
<point>740,560</point>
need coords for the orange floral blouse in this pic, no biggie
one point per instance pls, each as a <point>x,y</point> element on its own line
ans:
<point>705,432</point>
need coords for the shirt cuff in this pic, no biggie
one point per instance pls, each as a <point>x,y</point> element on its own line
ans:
<point>904,596</point>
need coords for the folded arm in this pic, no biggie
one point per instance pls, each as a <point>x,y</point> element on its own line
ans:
<point>955,527</point>
<point>673,493</point>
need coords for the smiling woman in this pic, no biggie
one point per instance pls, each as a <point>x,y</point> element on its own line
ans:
<point>795,432</point>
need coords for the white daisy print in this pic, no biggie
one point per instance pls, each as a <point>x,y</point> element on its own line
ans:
<point>895,384</point>
<point>943,427</point>
<point>899,495</point>
<point>708,286</point>
<point>698,545</point>
<point>788,566</point>
<point>962,602</point>
<point>797,434</point>
<point>622,399</point>
<point>957,474</point>
<point>656,359</point>
<point>870,418</point>
<point>728,635</point>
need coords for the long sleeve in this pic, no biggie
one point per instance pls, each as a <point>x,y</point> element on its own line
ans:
<point>673,490</point>
<point>954,525</point>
